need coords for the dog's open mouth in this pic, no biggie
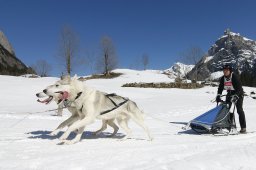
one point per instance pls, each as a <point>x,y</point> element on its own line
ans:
<point>46,101</point>
<point>63,96</point>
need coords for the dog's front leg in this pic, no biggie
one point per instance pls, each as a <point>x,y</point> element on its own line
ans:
<point>60,110</point>
<point>77,125</point>
<point>67,122</point>
<point>77,138</point>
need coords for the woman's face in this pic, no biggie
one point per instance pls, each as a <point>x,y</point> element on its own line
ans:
<point>226,72</point>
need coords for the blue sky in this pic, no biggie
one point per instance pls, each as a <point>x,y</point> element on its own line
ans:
<point>160,28</point>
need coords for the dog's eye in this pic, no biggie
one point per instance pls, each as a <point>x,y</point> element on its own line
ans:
<point>57,85</point>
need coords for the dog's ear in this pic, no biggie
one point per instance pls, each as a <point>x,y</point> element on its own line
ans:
<point>65,79</point>
<point>75,77</point>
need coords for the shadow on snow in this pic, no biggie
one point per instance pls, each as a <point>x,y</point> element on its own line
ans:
<point>40,134</point>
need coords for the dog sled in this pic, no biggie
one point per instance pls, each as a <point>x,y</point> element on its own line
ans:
<point>217,121</point>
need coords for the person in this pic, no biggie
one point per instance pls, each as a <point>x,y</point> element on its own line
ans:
<point>230,82</point>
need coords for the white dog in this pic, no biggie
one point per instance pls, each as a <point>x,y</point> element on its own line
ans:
<point>49,99</point>
<point>74,113</point>
<point>92,104</point>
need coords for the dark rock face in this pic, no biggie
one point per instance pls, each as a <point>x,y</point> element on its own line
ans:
<point>5,43</point>
<point>11,65</point>
<point>231,48</point>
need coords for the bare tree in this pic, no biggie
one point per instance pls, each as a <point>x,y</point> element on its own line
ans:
<point>145,61</point>
<point>42,68</point>
<point>192,56</point>
<point>69,46</point>
<point>108,58</point>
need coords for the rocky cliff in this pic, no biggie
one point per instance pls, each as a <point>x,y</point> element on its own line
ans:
<point>9,63</point>
<point>231,48</point>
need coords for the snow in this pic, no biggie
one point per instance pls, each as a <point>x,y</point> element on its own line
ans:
<point>178,69</point>
<point>224,36</point>
<point>25,143</point>
<point>234,34</point>
<point>216,75</point>
<point>30,76</point>
<point>246,54</point>
<point>208,59</point>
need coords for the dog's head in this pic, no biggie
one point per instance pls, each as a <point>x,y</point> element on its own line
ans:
<point>52,91</point>
<point>42,95</point>
<point>62,90</point>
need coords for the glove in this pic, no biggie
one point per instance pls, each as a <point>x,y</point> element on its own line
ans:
<point>218,99</point>
<point>234,98</point>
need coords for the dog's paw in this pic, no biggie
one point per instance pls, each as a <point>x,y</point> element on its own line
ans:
<point>69,142</point>
<point>93,133</point>
<point>110,136</point>
<point>54,133</point>
<point>96,133</point>
<point>151,139</point>
<point>64,137</point>
<point>63,142</point>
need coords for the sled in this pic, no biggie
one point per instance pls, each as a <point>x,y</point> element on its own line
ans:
<point>218,121</point>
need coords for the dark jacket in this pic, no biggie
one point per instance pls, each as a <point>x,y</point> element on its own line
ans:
<point>236,84</point>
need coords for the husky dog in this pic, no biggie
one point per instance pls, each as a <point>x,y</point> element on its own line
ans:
<point>74,112</point>
<point>48,100</point>
<point>91,104</point>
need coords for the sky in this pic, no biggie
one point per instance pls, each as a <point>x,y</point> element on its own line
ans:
<point>162,29</point>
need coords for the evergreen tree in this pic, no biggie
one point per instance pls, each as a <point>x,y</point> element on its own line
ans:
<point>246,76</point>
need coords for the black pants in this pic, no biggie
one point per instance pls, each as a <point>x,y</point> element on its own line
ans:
<point>240,111</point>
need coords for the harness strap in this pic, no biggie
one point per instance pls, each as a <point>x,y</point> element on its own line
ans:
<point>67,103</point>
<point>120,104</point>
<point>78,95</point>
<point>111,95</point>
<point>81,108</point>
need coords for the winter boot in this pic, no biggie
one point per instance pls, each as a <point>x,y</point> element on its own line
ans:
<point>243,130</point>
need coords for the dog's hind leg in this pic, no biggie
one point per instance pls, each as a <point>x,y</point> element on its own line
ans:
<point>109,122</point>
<point>114,126</point>
<point>137,118</point>
<point>123,124</point>
<point>103,127</point>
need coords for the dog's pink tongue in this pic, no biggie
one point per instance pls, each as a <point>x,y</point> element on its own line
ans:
<point>43,101</point>
<point>64,95</point>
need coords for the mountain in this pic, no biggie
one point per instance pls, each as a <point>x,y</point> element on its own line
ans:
<point>5,43</point>
<point>230,48</point>
<point>9,63</point>
<point>178,70</point>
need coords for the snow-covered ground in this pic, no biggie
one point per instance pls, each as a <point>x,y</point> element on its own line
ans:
<point>25,142</point>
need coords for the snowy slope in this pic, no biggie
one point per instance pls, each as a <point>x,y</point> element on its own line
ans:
<point>178,70</point>
<point>25,142</point>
